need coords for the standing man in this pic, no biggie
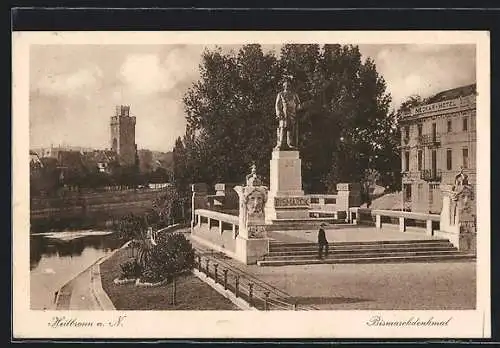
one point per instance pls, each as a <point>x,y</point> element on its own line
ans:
<point>322,242</point>
<point>287,104</point>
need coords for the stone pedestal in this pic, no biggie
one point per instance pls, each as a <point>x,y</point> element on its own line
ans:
<point>458,221</point>
<point>252,243</point>
<point>199,200</point>
<point>286,198</point>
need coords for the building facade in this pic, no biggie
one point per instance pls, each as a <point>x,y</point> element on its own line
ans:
<point>123,135</point>
<point>437,140</point>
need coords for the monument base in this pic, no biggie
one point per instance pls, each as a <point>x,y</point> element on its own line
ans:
<point>286,207</point>
<point>251,250</point>
<point>457,222</point>
<point>286,198</point>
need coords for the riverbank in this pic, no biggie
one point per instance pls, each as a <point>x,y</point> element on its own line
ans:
<point>191,292</point>
<point>59,257</point>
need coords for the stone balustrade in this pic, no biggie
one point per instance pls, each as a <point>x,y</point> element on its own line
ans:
<point>364,215</point>
<point>323,202</point>
<point>219,218</point>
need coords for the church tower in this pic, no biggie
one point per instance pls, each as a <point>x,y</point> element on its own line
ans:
<point>123,135</point>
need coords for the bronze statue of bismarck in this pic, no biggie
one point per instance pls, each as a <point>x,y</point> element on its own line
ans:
<point>287,105</point>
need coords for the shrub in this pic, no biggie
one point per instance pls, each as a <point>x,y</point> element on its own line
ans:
<point>173,254</point>
<point>130,269</point>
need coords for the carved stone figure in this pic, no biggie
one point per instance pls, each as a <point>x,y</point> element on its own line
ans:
<point>253,179</point>
<point>460,196</point>
<point>287,104</point>
<point>255,199</point>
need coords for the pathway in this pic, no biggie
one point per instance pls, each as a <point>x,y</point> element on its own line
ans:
<point>348,233</point>
<point>417,286</point>
<point>84,292</point>
<point>82,297</point>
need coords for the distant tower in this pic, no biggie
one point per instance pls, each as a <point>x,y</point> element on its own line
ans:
<point>123,135</point>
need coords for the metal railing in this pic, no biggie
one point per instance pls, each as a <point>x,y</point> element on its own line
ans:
<point>431,175</point>
<point>429,139</point>
<point>242,285</point>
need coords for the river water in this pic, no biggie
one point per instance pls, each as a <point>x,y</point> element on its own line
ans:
<point>56,258</point>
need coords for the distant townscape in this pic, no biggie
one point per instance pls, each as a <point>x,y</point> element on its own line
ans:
<point>122,165</point>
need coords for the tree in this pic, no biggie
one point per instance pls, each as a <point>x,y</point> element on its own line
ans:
<point>344,125</point>
<point>168,206</point>
<point>228,114</point>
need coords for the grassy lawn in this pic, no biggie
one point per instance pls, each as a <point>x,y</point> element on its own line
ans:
<point>191,293</point>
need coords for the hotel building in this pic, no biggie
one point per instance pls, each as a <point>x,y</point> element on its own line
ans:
<point>437,139</point>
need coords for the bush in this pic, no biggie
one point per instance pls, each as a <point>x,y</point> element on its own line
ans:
<point>130,269</point>
<point>172,255</point>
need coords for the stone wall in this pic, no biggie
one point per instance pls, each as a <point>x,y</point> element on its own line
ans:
<point>92,206</point>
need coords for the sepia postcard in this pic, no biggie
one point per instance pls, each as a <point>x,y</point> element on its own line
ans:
<point>319,184</point>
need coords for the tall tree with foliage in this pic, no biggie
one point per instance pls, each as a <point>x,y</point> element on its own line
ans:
<point>344,125</point>
<point>231,111</point>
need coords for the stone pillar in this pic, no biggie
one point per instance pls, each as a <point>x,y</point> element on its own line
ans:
<point>402,226</point>
<point>286,197</point>
<point>458,217</point>
<point>428,227</point>
<point>251,243</point>
<point>199,200</point>
<point>348,195</point>
<point>378,221</point>
<point>445,223</point>
<point>225,196</point>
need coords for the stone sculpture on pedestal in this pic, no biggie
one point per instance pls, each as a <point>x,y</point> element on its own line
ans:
<point>461,195</point>
<point>287,104</point>
<point>458,213</point>
<point>286,197</point>
<point>251,243</point>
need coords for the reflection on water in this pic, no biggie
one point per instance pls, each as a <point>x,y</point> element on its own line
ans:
<point>53,262</point>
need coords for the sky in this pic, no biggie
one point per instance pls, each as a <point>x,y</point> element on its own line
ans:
<point>74,88</point>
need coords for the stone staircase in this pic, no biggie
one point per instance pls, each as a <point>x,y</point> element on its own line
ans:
<point>300,224</point>
<point>432,250</point>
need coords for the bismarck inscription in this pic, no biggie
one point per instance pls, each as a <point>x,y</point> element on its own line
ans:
<point>283,202</point>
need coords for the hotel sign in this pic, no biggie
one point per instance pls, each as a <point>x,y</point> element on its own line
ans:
<point>444,105</point>
<point>447,104</point>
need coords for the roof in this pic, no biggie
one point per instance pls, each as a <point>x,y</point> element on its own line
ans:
<point>70,159</point>
<point>454,93</point>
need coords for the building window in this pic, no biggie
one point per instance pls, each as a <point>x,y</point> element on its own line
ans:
<point>419,130</point>
<point>407,161</point>
<point>448,159</point>
<point>407,132</point>
<point>407,188</point>
<point>465,158</point>
<point>465,124</point>
<point>420,158</point>
<point>448,127</point>
<point>434,132</point>
<point>419,192</point>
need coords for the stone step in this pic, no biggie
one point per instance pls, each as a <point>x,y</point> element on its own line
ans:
<point>361,247</point>
<point>300,224</point>
<point>361,260</point>
<point>358,255</point>
<point>360,250</point>
<point>335,246</point>
<point>278,244</point>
